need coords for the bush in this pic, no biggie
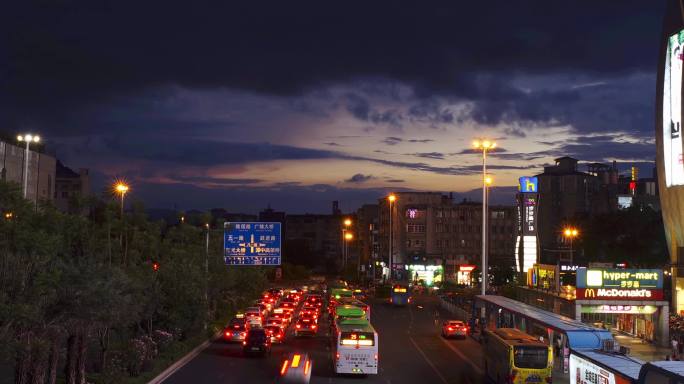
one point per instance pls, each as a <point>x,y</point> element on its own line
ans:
<point>162,338</point>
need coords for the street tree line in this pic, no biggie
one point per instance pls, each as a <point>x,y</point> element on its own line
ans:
<point>80,300</point>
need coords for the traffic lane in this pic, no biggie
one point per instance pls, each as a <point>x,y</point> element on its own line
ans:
<point>457,360</point>
<point>223,362</point>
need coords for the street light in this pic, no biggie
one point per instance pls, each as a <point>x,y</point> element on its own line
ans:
<point>121,188</point>
<point>28,138</point>
<point>570,233</point>
<point>391,198</point>
<point>484,146</point>
<point>347,223</point>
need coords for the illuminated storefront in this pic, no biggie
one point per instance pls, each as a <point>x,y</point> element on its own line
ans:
<point>464,274</point>
<point>428,275</point>
<point>629,300</point>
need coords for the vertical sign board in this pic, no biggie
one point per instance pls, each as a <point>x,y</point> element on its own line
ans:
<point>673,159</point>
<point>526,246</point>
<point>252,243</point>
<point>583,371</point>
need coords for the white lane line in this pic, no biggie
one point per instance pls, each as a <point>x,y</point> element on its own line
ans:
<point>462,356</point>
<point>428,361</point>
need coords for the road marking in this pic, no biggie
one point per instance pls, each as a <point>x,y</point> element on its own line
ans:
<point>428,361</point>
<point>462,356</point>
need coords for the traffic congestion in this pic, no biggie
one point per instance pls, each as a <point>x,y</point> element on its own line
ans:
<point>282,315</point>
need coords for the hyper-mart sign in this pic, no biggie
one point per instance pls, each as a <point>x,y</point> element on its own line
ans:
<point>619,284</point>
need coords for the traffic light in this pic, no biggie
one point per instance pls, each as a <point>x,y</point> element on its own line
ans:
<point>155,266</point>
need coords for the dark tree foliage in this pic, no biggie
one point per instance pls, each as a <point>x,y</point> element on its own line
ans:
<point>75,283</point>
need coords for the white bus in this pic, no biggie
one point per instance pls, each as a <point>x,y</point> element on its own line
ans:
<point>355,348</point>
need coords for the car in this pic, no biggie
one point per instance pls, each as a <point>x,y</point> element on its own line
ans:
<point>276,321</point>
<point>235,332</point>
<point>257,341</point>
<point>264,309</point>
<point>287,317</point>
<point>310,311</point>
<point>306,326</point>
<point>288,306</point>
<point>276,333</point>
<point>316,300</point>
<point>265,303</point>
<point>254,322</point>
<point>454,328</point>
<point>253,312</point>
<point>296,369</point>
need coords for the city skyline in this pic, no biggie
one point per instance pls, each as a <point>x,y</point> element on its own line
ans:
<point>304,107</point>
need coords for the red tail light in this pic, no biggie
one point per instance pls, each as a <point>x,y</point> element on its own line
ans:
<point>313,327</point>
<point>228,334</point>
<point>244,342</point>
<point>450,328</point>
<point>284,368</point>
<point>376,357</point>
<point>298,326</point>
<point>280,335</point>
<point>337,356</point>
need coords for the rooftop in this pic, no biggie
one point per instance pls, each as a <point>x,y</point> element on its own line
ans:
<point>627,366</point>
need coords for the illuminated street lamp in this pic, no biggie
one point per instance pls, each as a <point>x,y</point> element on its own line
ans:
<point>570,233</point>
<point>28,138</point>
<point>347,223</point>
<point>484,146</point>
<point>348,236</point>
<point>391,198</point>
<point>121,188</point>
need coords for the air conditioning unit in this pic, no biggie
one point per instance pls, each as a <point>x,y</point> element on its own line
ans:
<point>608,345</point>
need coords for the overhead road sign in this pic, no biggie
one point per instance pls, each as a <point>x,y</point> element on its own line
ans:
<point>252,243</point>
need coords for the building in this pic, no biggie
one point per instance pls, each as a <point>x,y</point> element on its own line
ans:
<point>670,145</point>
<point>367,245</point>
<point>70,184</point>
<point>41,170</point>
<point>317,235</point>
<point>433,238</point>
<point>567,194</point>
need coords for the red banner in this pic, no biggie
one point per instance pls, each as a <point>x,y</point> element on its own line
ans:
<point>619,294</point>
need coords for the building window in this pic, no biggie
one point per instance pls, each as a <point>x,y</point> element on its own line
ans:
<point>415,228</point>
<point>498,214</point>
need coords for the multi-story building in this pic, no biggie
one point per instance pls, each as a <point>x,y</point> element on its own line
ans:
<point>366,230</point>
<point>567,194</point>
<point>432,236</point>
<point>69,184</point>
<point>41,170</point>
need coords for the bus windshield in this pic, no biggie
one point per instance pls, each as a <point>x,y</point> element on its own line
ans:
<point>530,357</point>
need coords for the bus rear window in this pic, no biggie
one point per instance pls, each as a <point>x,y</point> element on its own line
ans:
<point>400,290</point>
<point>357,338</point>
<point>530,357</point>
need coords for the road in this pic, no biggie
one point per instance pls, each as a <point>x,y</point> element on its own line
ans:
<point>411,351</point>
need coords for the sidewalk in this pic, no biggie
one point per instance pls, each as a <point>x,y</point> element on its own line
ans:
<point>641,349</point>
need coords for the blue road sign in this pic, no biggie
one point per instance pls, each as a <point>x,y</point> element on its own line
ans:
<point>252,243</point>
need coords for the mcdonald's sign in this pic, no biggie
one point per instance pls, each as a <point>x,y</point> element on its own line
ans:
<point>528,184</point>
<point>619,294</point>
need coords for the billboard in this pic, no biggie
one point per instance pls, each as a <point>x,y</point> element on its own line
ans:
<point>528,184</point>
<point>672,111</point>
<point>526,242</point>
<point>583,371</point>
<point>249,243</point>
<point>619,284</point>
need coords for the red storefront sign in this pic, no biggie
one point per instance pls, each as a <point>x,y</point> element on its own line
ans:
<point>618,294</point>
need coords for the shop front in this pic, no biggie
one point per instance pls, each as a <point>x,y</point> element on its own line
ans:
<point>464,274</point>
<point>426,275</point>
<point>625,300</point>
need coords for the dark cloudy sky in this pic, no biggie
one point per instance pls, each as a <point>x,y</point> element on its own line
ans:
<point>238,104</point>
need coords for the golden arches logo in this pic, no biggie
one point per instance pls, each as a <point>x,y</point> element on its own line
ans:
<point>589,292</point>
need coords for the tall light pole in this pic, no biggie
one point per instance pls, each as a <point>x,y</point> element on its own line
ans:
<point>347,223</point>
<point>347,238</point>
<point>570,233</point>
<point>391,198</point>
<point>121,188</point>
<point>484,146</point>
<point>206,275</point>
<point>28,139</point>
